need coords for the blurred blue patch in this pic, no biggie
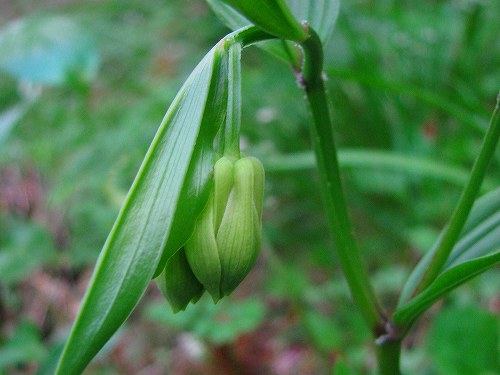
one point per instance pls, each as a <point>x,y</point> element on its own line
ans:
<point>49,50</point>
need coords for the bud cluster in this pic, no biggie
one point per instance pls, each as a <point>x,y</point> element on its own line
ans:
<point>226,240</point>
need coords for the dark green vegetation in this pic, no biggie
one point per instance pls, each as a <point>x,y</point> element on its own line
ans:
<point>414,83</point>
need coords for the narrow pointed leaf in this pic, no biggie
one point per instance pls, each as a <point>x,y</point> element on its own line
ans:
<point>272,16</point>
<point>174,177</point>
<point>480,237</point>
<point>199,181</point>
<point>454,229</point>
<point>447,281</point>
<point>228,15</point>
<point>320,14</point>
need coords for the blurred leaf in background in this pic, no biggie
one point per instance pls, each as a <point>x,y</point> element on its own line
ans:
<point>24,346</point>
<point>25,248</point>
<point>216,324</point>
<point>470,347</point>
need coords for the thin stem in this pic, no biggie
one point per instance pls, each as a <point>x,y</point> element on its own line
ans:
<point>388,353</point>
<point>232,125</point>
<point>336,207</point>
<point>464,205</point>
<point>230,139</point>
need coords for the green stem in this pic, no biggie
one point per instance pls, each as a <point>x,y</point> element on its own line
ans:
<point>336,207</point>
<point>388,353</point>
<point>231,139</point>
<point>464,205</point>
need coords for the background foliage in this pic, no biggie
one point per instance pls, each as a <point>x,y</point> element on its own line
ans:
<point>413,78</point>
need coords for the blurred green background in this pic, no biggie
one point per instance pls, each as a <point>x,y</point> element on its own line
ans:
<point>85,84</point>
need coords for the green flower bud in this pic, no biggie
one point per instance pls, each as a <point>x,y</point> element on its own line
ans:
<point>226,240</point>
<point>178,282</point>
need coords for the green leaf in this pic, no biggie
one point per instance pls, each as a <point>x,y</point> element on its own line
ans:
<point>49,50</point>
<point>272,16</point>
<point>481,234</point>
<point>320,14</point>
<point>203,156</point>
<point>228,15</point>
<point>480,237</point>
<point>451,233</point>
<point>444,283</point>
<point>465,341</point>
<point>159,212</point>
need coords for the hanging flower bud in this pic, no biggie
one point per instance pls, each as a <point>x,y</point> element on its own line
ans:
<point>226,241</point>
<point>179,283</point>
